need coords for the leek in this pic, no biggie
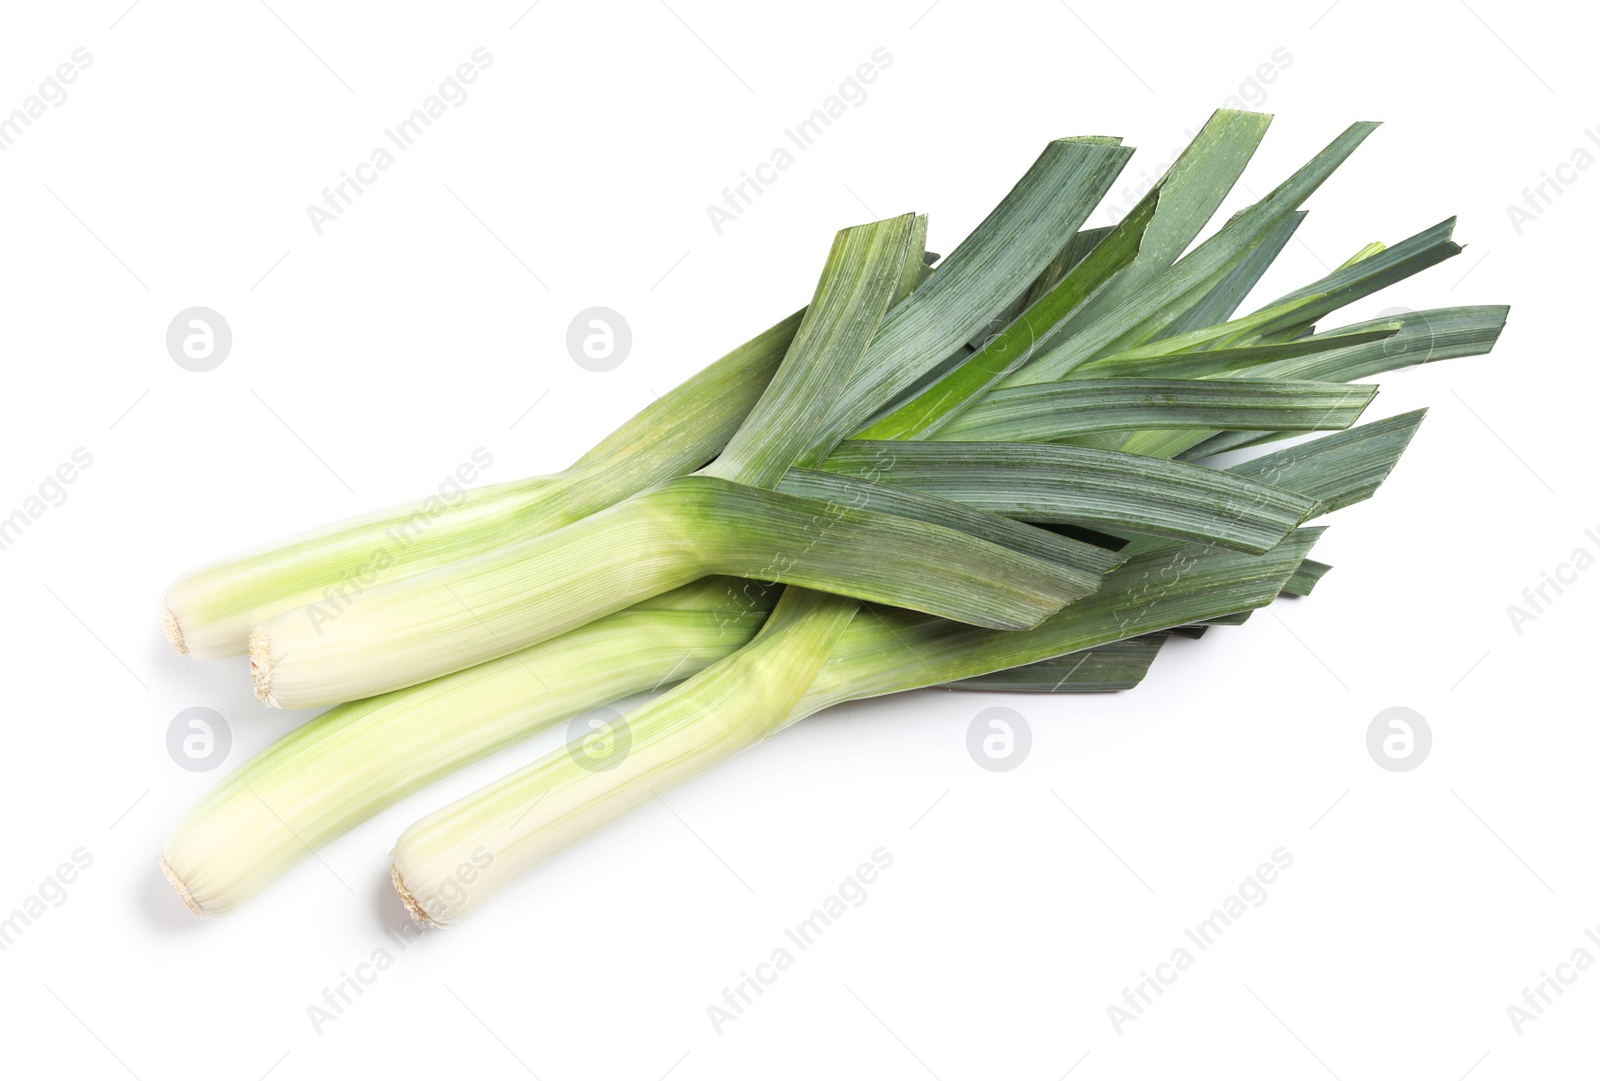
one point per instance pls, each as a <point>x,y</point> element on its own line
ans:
<point>990,475</point>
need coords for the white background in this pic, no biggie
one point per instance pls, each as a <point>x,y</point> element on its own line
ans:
<point>430,319</point>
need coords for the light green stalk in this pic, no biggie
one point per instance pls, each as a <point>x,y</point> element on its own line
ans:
<point>464,614</point>
<point>208,611</point>
<point>674,737</point>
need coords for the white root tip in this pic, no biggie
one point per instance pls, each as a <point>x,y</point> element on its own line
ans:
<point>169,623</point>
<point>182,891</point>
<point>261,666</point>
<point>419,915</point>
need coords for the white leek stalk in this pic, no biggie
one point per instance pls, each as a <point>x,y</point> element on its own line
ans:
<point>672,738</point>
<point>356,759</point>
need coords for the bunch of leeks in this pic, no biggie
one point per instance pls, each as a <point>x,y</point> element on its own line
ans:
<point>987,474</point>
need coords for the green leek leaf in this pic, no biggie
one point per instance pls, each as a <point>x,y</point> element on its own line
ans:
<point>1053,412</point>
<point>1100,489</point>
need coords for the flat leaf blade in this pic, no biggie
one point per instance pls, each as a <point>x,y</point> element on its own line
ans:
<point>1097,488</point>
<point>1052,412</point>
